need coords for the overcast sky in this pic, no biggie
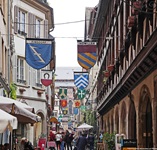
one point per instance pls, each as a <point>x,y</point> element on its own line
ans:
<point>66,34</point>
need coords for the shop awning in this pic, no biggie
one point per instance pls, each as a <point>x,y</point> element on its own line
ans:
<point>23,112</point>
<point>7,121</point>
<point>54,120</point>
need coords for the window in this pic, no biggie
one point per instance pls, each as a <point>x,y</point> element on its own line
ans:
<point>21,22</point>
<point>20,70</point>
<point>37,28</point>
<point>38,78</point>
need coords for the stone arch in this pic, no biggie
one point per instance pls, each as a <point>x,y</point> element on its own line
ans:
<point>123,118</point>
<point>39,127</point>
<point>145,118</point>
<point>132,119</point>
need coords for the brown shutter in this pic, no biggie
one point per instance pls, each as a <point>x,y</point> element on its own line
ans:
<point>31,25</point>
<point>45,28</point>
<point>16,10</point>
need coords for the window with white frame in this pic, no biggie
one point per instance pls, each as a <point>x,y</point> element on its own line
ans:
<point>20,70</point>
<point>37,28</point>
<point>38,78</point>
<point>21,22</point>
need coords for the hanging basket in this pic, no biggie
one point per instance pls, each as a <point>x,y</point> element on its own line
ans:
<point>110,67</point>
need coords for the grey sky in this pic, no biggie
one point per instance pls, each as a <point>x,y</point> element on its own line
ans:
<point>69,11</point>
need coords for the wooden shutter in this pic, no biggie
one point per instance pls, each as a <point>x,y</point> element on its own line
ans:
<point>16,10</point>
<point>15,68</point>
<point>31,26</point>
<point>45,28</point>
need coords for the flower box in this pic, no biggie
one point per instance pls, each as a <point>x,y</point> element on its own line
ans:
<point>110,67</point>
<point>39,92</point>
<point>131,21</point>
<point>136,8</point>
<point>21,90</point>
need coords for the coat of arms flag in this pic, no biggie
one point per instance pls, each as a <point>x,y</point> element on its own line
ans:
<point>62,93</point>
<point>81,79</point>
<point>38,52</point>
<point>81,93</point>
<point>86,54</point>
<point>46,78</point>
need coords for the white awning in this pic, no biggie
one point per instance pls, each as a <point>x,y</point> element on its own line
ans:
<point>7,121</point>
<point>22,111</point>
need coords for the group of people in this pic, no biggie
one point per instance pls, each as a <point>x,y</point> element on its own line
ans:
<point>80,140</point>
<point>63,139</point>
<point>85,141</point>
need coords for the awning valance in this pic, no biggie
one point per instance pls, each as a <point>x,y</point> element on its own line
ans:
<point>54,120</point>
<point>22,111</point>
<point>7,121</point>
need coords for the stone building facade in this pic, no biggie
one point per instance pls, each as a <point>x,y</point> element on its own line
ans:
<point>125,32</point>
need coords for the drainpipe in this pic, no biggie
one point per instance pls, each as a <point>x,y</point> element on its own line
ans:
<point>9,61</point>
<point>8,42</point>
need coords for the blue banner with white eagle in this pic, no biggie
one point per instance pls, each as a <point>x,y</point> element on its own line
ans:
<point>38,52</point>
<point>81,79</point>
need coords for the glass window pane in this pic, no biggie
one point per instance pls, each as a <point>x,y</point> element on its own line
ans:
<point>23,22</point>
<point>37,28</point>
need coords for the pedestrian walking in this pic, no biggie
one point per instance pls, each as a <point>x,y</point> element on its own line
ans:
<point>52,135</point>
<point>62,141</point>
<point>68,140</point>
<point>26,144</point>
<point>58,140</point>
<point>81,142</point>
<point>90,141</point>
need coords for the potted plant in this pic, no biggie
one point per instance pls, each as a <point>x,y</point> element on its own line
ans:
<point>21,90</point>
<point>109,139</point>
<point>106,73</point>
<point>137,5</point>
<point>131,21</point>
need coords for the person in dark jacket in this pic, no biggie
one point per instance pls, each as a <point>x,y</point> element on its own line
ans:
<point>81,142</point>
<point>91,141</point>
<point>68,140</point>
<point>26,144</point>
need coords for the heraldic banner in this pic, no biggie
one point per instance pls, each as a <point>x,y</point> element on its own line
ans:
<point>46,78</point>
<point>39,52</point>
<point>62,93</point>
<point>81,79</point>
<point>86,54</point>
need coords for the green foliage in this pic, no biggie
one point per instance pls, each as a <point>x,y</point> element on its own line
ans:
<point>42,135</point>
<point>13,89</point>
<point>90,117</point>
<point>109,140</point>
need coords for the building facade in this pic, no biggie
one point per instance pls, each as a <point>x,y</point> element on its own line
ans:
<point>125,32</point>
<point>4,47</point>
<point>31,19</point>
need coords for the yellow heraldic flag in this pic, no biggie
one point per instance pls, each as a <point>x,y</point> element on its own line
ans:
<point>77,103</point>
